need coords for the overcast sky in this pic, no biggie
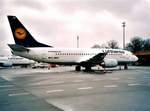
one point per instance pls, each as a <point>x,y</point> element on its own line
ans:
<point>58,22</point>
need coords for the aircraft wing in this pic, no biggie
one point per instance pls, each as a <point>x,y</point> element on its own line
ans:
<point>97,59</point>
<point>19,48</point>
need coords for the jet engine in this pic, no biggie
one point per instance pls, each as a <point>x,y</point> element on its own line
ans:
<point>109,63</point>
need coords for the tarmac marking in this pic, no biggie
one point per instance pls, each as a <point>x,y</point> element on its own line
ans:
<point>134,84</point>
<point>98,79</point>
<point>53,91</point>
<point>77,81</point>
<point>18,94</point>
<point>57,82</point>
<point>129,82</point>
<point>34,84</point>
<point>111,86</point>
<point>131,78</point>
<point>84,88</point>
<point>114,78</point>
<point>6,78</point>
<point>5,86</point>
<point>146,77</point>
<point>147,72</point>
<point>39,83</point>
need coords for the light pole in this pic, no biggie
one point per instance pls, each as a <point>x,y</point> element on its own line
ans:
<point>77,41</point>
<point>123,25</point>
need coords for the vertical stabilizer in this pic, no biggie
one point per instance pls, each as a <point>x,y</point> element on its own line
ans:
<point>21,34</point>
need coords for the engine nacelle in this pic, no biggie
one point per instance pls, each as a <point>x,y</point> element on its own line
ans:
<point>7,64</point>
<point>109,63</point>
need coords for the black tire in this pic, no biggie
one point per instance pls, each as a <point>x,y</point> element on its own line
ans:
<point>78,68</point>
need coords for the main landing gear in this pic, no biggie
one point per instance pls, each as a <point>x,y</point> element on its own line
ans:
<point>87,68</point>
<point>78,68</point>
<point>125,66</point>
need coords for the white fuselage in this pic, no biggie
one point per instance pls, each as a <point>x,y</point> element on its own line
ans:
<point>73,56</point>
<point>14,60</point>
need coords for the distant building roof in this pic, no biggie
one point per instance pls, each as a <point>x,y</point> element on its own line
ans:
<point>142,53</point>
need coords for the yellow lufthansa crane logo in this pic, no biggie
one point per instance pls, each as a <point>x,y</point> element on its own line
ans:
<point>20,33</point>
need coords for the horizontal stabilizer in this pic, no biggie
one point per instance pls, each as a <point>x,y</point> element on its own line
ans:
<point>20,48</point>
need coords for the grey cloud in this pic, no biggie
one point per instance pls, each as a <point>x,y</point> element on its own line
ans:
<point>116,6</point>
<point>2,7</point>
<point>140,18</point>
<point>141,12</point>
<point>1,4</point>
<point>47,26</point>
<point>3,36</point>
<point>136,13</point>
<point>46,30</point>
<point>33,4</point>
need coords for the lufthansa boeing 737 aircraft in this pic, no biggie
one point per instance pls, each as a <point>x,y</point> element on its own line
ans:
<point>26,46</point>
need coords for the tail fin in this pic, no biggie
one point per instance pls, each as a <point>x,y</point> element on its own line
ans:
<point>21,35</point>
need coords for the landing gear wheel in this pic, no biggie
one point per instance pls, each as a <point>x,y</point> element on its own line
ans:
<point>88,68</point>
<point>78,68</point>
<point>125,66</point>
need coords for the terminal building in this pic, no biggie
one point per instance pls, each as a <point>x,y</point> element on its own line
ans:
<point>144,57</point>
